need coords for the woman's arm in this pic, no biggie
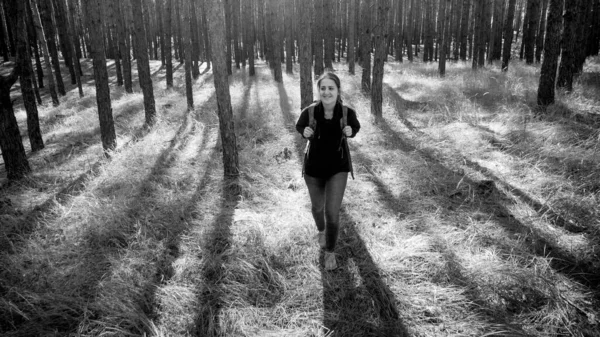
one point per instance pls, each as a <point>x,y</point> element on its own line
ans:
<point>353,122</point>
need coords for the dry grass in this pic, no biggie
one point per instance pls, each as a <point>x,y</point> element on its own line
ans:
<point>471,215</point>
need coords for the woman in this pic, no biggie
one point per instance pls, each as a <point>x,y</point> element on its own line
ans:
<point>327,160</point>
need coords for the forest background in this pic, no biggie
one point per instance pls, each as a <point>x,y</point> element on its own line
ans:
<point>151,185</point>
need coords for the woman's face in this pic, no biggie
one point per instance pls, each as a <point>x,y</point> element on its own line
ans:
<point>328,91</point>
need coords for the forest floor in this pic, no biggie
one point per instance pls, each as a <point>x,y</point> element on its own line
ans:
<point>471,214</point>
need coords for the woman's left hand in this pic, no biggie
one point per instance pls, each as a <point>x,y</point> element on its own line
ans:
<point>347,131</point>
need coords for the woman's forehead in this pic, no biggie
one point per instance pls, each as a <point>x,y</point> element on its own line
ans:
<point>328,82</point>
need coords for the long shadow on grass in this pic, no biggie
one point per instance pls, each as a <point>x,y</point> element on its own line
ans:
<point>290,120</point>
<point>356,299</point>
<point>563,261</point>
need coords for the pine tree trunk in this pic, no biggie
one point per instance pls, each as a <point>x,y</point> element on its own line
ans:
<point>26,78</point>
<point>567,59</point>
<point>539,41</point>
<point>365,45</point>
<point>275,7</point>
<point>195,40</point>
<point>168,42</point>
<point>226,121</point>
<point>62,23</point>
<point>72,35</point>
<point>318,37</point>
<point>351,36</point>
<point>328,35</point>
<point>114,41</point>
<point>249,36</point>
<point>508,34</point>
<point>409,30</point>
<point>531,30</point>
<point>444,16</point>
<point>187,38</point>
<point>305,56</point>
<point>229,54</point>
<point>380,39</point>
<point>235,30</point>
<point>41,37</point>
<point>11,143</point>
<point>289,14</point>
<point>124,49</point>
<point>107,127</point>
<point>207,46</point>
<point>45,7</point>
<point>399,34</point>
<point>545,95</point>
<point>143,64</point>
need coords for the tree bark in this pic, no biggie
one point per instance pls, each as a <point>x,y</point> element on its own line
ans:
<point>531,30</point>
<point>41,36</point>
<point>275,7</point>
<point>45,7</point>
<point>226,123</point>
<point>567,59</point>
<point>11,143</point>
<point>539,41</point>
<point>235,27</point>
<point>168,42</point>
<point>26,78</point>
<point>249,36</point>
<point>445,16</point>
<point>305,56</point>
<point>409,30</point>
<point>143,64</point>
<point>318,37</point>
<point>289,15</point>
<point>365,46</point>
<point>328,35</point>
<point>508,34</point>
<point>62,24</point>
<point>124,47</point>
<point>545,94</point>
<point>187,38</point>
<point>380,37</point>
<point>351,36</point>
<point>107,127</point>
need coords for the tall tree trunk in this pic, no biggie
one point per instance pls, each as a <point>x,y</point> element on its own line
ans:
<point>207,45</point>
<point>226,122</point>
<point>235,32</point>
<point>305,56</point>
<point>249,36</point>
<point>11,143</point>
<point>124,47</point>
<point>187,37</point>
<point>328,35</point>
<point>477,36</point>
<point>168,42</point>
<point>114,41</point>
<point>351,36</point>
<point>42,38</point>
<point>62,24</point>
<point>195,40</point>
<point>494,36</point>
<point>72,34</point>
<point>567,59</point>
<point>107,127</point>
<point>143,64</point>
<point>318,30</point>
<point>531,30</point>
<point>27,78</point>
<point>365,45</point>
<point>289,14</point>
<point>229,54</point>
<point>508,34</point>
<point>3,45</point>
<point>399,33</point>
<point>445,17</point>
<point>545,94</point>
<point>34,44</point>
<point>276,33</point>
<point>48,24</point>
<point>539,41</point>
<point>380,37</point>
<point>409,30</point>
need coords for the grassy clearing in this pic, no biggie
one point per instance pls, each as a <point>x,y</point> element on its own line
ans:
<point>470,215</point>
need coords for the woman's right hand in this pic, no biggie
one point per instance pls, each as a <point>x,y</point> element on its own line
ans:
<point>308,132</point>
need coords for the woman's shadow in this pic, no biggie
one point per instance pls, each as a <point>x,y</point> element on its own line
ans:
<point>356,300</point>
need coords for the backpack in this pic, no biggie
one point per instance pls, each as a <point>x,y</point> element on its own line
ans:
<point>312,123</point>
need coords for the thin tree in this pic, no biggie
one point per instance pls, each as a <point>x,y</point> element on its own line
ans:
<point>328,34</point>
<point>365,45</point>
<point>26,78</point>
<point>143,64</point>
<point>409,30</point>
<point>107,127</point>
<point>399,31</point>
<point>124,47</point>
<point>539,42</point>
<point>275,8</point>
<point>529,34</point>
<point>249,36</point>
<point>226,124</point>
<point>546,87</point>
<point>289,14</point>
<point>168,42</point>
<point>508,34</point>
<point>62,25</point>
<point>445,18</point>
<point>235,32</point>
<point>318,37</point>
<point>566,69</point>
<point>305,56</point>
<point>46,11</point>
<point>187,37</point>
<point>351,35</point>
<point>42,38</point>
<point>380,40</point>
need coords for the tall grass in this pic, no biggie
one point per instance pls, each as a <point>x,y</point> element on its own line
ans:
<point>471,214</point>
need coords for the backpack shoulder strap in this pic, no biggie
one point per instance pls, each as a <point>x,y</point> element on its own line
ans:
<point>344,120</point>
<point>311,115</point>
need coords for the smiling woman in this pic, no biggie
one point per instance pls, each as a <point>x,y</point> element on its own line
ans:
<point>326,124</point>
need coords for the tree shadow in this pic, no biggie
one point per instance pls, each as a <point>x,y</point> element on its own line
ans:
<point>356,299</point>
<point>289,120</point>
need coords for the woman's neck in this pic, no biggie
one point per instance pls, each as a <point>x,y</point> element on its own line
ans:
<point>328,109</point>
